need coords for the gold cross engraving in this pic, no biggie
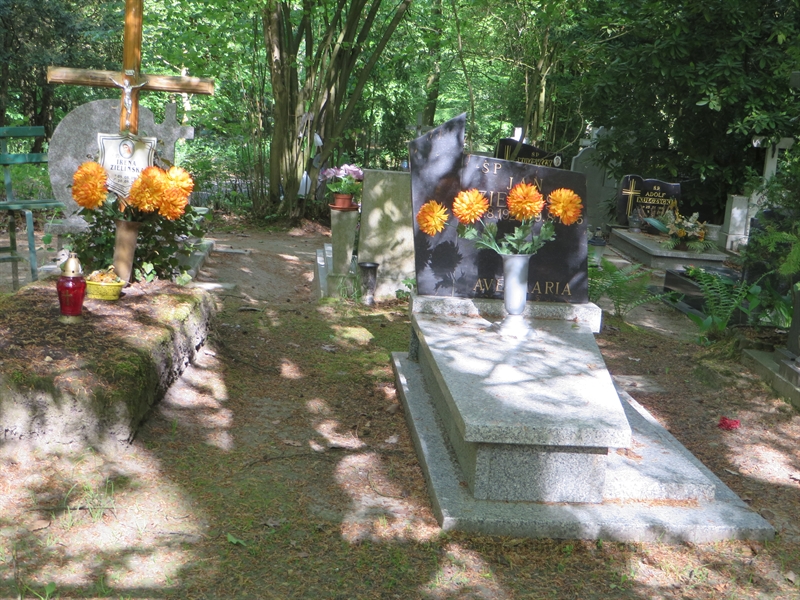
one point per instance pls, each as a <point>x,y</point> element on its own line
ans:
<point>632,193</point>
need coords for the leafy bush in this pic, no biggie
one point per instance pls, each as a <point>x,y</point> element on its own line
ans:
<point>159,246</point>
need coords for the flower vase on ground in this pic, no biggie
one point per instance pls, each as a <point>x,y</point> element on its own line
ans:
<point>125,248</point>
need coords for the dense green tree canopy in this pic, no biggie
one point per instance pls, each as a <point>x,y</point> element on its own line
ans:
<point>681,87</point>
<point>685,85</point>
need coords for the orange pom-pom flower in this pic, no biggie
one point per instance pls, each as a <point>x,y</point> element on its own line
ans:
<point>525,202</point>
<point>565,205</point>
<point>146,191</point>
<point>469,206</point>
<point>174,200</point>
<point>89,185</point>
<point>432,217</point>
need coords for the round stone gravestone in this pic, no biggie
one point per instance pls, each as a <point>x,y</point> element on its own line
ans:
<point>75,141</point>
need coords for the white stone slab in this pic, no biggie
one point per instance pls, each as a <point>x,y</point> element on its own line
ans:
<point>588,314</point>
<point>551,389</point>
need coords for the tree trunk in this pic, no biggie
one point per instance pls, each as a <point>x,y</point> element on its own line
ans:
<point>313,94</point>
<point>432,82</point>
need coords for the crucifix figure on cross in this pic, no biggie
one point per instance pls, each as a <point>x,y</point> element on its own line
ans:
<point>130,81</point>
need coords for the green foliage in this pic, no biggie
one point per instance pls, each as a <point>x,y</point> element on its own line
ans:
<point>159,245</point>
<point>693,245</point>
<point>626,287</point>
<point>410,284</point>
<point>685,85</point>
<point>722,297</point>
<point>521,241</point>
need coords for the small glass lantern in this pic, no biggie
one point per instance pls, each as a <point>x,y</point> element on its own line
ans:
<point>71,289</point>
<point>597,247</point>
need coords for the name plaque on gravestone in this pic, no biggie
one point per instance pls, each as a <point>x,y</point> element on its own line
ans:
<point>530,155</point>
<point>447,265</point>
<point>652,196</point>
<point>124,158</point>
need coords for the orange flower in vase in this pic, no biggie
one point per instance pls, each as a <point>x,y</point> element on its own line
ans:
<point>176,196</point>
<point>565,205</point>
<point>469,206</point>
<point>432,217</point>
<point>525,202</point>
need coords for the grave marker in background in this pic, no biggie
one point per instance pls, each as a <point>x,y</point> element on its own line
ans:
<point>600,187</point>
<point>530,155</point>
<point>449,266</point>
<point>652,196</point>
<point>75,141</point>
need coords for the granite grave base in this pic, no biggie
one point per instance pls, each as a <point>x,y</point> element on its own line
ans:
<point>646,249</point>
<point>779,368</point>
<point>528,437</point>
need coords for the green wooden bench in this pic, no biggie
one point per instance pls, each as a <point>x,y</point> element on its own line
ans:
<point>20,208</point>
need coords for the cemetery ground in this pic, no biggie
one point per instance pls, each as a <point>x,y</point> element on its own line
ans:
<point>280,466</point>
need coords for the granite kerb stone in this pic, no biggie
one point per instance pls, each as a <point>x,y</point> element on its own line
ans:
<point>726,517</point>
<point>589,314</point>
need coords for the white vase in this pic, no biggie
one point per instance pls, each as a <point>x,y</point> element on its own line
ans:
<point>515,282</point>
<point>515,296</point>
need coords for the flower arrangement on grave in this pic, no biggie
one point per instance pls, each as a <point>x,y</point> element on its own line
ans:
<point>525,204</point>
<point>156,214</point>
<point>345,179</point>
<point>685,232</point>
<point>155,192</point>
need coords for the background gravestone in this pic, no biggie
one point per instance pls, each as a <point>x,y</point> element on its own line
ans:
<point>386,235</point>
<point>528,154</point>
<point>651,195</point>
<point>75,141</point>
<point>449,266</point>
<point>600,187</point>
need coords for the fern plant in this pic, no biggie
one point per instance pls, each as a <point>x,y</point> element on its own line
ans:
<point>626,286</point>
<point>722,297</point>
<point>692,245</point>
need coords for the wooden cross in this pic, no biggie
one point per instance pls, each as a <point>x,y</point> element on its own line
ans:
<point>131,81</point>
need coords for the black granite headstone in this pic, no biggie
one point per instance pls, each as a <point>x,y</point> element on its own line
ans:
<point>654,197</point>
<point>530,155</point>
<point>447,265</point>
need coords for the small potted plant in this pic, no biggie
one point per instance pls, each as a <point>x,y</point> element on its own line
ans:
<point>104,284</point>
<point>344,182</point>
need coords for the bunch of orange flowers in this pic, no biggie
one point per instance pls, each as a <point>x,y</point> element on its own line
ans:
<point>525,203</point>
<point>154,190</point>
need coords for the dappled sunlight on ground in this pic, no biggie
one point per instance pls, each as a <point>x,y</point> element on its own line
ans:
<point>463,572</point>
<point>380,509</point>
<point>290,370</point>
<point>327,429</point>
<point>94,520</point>
<point>196,401</point>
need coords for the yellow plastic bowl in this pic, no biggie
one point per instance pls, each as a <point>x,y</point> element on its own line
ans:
<point>100,290</point>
